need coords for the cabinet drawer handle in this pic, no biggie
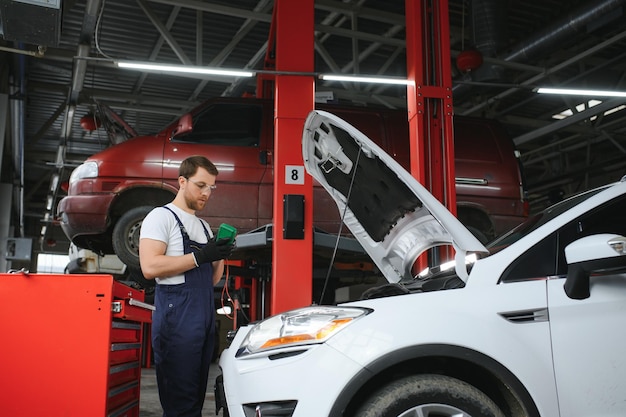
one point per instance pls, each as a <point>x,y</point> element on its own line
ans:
<point>122,410</point>
<point>126,325</point>
<point>141,304</point>
<point>124,346</point>
<point>123,367</point>
<point>120,389</point>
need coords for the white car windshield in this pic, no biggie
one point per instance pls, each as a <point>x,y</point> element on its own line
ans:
<point>537,220</point>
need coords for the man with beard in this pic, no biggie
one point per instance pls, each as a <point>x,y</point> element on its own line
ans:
<point>178,249</point>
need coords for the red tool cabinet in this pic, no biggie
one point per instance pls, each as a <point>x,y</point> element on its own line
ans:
<point>70,345</point>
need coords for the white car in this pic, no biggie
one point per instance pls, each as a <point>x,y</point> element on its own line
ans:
<point>534,325</point>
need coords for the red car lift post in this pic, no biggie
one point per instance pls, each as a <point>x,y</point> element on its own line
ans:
<point>292,249</point>
<point>429,97</point>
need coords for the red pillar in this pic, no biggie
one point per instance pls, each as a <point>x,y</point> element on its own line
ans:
<point>429,97</point>
<point>292,258</point>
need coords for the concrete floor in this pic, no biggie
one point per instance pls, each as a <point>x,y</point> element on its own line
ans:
<point>149,405</point>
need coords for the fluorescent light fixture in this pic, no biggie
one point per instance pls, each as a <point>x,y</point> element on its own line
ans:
<point>188,69</point>
<point>358,79</point>
<point>575,92</point>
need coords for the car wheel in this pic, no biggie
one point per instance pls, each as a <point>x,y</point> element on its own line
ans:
<point>429,396</point>
<point>148,285</point>
<point>126,235</point>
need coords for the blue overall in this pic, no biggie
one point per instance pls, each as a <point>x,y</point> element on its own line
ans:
<point>183,327</point>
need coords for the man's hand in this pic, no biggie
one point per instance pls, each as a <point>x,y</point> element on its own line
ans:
<point>214,251</point>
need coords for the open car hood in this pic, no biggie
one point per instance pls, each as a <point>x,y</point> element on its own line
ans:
<point>117,129</point>
<point>388,211</point>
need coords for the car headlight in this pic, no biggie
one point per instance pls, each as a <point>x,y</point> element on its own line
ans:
<point>86,170</point>
<point>299,327</point>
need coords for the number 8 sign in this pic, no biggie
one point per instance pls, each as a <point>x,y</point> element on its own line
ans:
<point>294,174</point>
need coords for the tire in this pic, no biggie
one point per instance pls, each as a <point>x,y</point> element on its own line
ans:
<point>126,235</point>
<point>136,275</point>
<point>429,396</point>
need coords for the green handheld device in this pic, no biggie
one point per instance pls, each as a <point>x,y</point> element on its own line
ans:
<point>226,231</point>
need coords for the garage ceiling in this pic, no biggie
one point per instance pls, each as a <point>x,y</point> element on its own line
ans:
<point>63,70</point>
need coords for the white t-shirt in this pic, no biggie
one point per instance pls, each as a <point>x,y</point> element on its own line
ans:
<point>160,224</point>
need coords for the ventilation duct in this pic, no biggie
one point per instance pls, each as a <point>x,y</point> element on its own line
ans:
<point>488,32</point>
<point>576,22</point>
<point>599,13</point>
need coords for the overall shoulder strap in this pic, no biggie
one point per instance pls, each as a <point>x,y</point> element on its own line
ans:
<point>182,227</point>
<point>206,232</point>
<point>183,231</point>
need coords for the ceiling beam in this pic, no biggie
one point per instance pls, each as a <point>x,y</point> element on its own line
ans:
<point>583,115</point>
<point>165,34</point>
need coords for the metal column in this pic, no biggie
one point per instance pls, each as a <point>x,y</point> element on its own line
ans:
<point>429,97</point>
<point>292,250</point>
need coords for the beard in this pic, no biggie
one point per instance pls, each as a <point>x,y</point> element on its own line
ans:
<point>194,204</point>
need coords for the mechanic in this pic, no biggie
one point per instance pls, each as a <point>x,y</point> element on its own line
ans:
<point>178,249</point>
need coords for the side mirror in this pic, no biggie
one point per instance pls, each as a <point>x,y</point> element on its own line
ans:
<point>595,254</point>
<point>185,125</point>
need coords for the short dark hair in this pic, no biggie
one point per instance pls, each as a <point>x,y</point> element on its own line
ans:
<point>191,164</point>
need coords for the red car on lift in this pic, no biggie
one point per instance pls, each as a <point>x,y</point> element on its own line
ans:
<point>111,192</point>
